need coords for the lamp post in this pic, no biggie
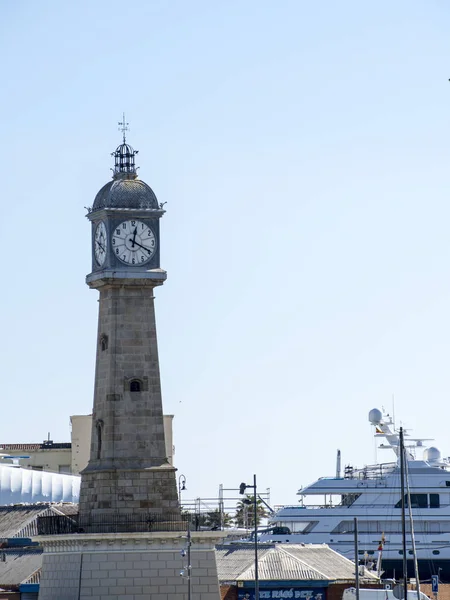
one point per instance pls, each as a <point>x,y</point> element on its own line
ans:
<point>188,567</point>
<point>181,486</point>
<point>242,489</point>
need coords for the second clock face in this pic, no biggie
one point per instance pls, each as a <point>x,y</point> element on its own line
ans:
<point>133,242</point>
<point>100,243</point>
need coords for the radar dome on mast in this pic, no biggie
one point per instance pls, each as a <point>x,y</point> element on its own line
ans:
<point>375,416</point>
<point>432,455</point>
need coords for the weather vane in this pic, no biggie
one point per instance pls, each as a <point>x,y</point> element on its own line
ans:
<point>123,127</point>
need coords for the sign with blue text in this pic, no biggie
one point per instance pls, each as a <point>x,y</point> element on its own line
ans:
<point>283,594</point>
<point>434,584</point>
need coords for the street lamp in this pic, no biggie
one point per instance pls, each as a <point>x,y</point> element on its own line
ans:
<point>181,486</point>
<point>188,567</point>
<point>242,489</point>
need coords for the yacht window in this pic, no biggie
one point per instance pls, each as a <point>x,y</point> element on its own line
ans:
<point>344,527</point>
<point>277,530</point>
<point>436,552</point>
<point>444,526</point>
<point>298,526</point>
<point>417,501</point>
<point>434,501</point>
<point>400,552</point>
<point>363,527</point>
<point>349,499</point>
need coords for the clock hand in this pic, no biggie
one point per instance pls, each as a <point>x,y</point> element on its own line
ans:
<point>141,246</point>
<point>134,237</point>
<point>102,247</point>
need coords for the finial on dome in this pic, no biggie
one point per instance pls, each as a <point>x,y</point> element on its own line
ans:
<point>123,127</point>
<point>124,167</point>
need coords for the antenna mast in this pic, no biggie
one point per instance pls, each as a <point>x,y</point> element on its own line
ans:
<point>123,127</point>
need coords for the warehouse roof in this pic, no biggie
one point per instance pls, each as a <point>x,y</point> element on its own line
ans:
<point>20,520</point>
<point>282,562</point>
<point>19,566</point>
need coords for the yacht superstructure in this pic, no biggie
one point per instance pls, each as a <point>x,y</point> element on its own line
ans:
<point>372,494</point>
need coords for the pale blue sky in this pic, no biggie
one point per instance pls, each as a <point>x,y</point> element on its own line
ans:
<point>303,150</point>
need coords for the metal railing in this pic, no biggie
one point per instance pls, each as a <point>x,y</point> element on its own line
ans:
<point>111,523</point>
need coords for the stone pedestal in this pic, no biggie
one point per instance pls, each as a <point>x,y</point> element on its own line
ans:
<point>128,566</point>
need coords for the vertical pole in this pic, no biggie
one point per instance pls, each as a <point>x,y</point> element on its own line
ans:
<point>255,510</point>
<point>221,507</point>
<point>355,521</point>
<point>79,579</point>
<point>402,491</point>
<point>189,559</point>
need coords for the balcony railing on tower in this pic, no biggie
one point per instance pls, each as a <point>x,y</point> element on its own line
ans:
<point>111,523</point>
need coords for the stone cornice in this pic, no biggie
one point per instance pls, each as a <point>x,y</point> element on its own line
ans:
<point>129,542</point>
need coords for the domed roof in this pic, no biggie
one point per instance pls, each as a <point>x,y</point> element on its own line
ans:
<point>125,193</point>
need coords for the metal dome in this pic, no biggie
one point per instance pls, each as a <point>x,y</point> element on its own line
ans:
<point>125,190</point>
<point>126,193</point>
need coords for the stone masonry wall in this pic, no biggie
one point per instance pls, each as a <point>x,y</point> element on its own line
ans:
<point>128,469</point>
<point>60,577</point>
<point>128,575</point>
<point>129,492</point>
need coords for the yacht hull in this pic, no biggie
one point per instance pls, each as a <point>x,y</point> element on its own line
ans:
<point>394,569</point>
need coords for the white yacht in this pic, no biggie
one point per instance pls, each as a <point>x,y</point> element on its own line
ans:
<point>373,495</point>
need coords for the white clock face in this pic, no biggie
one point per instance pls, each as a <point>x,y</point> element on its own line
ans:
<point>100,243</point>
<point>133,242</point>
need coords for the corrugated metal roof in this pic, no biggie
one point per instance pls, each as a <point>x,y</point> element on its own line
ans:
<point>18,567</point>
<point>21,520</point>
<point>20,446</point>
<point>232,560</point>
<point>281,566</point>
<point>280,562</point>
<point>324,559</point>
<point>45,445</point>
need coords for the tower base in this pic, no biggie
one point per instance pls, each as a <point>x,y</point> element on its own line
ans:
<point>128,491</point>
<point>128,566</point>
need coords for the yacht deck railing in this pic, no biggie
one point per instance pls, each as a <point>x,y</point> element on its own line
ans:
<point>355,507</point>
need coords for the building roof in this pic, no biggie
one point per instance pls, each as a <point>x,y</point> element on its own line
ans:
<point>126,193</point>
<point>233,559</point>
<point>282,562</point>
<point>19,566</point>
<point>21,520</point>
<point>281,566</point>
<point>18,520</point>
<point>33,447</point>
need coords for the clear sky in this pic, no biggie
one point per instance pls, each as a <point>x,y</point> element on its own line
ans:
<point>303,150</point>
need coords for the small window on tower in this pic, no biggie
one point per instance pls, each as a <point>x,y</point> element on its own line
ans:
<point>135,386</point>
<point>99,427</point>
<point>103,342</point>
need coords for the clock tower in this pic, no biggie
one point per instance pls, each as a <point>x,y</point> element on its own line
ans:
<point>129,536</point>
<point>128,471</point>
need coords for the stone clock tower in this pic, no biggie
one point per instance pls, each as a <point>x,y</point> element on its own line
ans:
<point>130,539</point>
<point>128,472</point>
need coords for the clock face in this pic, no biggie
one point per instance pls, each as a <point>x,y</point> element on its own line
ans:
<point>133,242</point>
<point>100,243</point>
